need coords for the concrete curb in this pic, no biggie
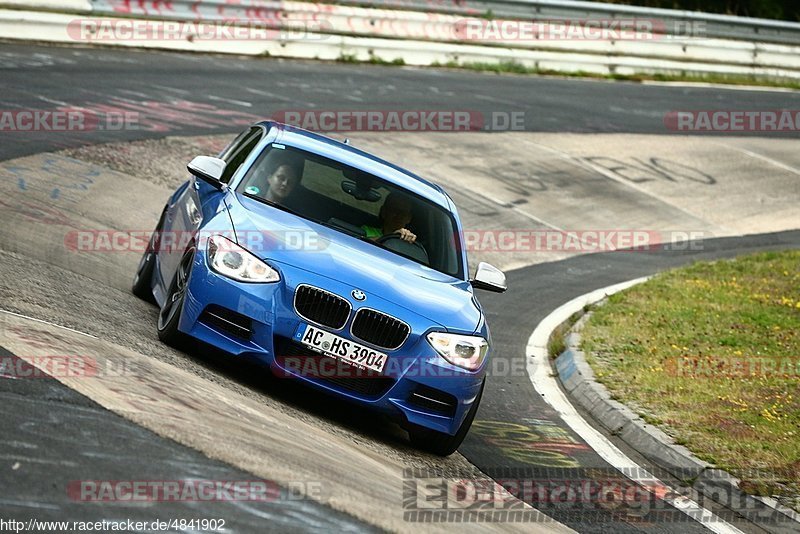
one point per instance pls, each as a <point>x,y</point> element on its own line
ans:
<point>578,381</point>
<point>58,6</point>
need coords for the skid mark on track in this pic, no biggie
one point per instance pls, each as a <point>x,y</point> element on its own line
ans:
<point>615,173</point>
<point>230,427</point>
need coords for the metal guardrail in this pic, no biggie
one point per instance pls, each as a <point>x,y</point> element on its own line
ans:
<point>687,23</point>
<point>331,31</point>
<point>669,21</point>
<point>448,28</point>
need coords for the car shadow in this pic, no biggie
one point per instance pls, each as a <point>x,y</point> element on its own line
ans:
<point>258,377</point>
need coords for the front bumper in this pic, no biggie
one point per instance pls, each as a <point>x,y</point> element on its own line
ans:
<point>258,321</point>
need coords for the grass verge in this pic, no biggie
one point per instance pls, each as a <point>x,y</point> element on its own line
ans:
<point>558,342</point>
<point>711,353</point>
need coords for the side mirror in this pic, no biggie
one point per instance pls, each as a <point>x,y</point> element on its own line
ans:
<point>208,169</point>
<point>490,278</point>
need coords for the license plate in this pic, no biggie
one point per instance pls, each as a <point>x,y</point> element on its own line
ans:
<point>341,348</point>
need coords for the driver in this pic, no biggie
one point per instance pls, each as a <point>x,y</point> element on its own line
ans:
<point>394,216</point>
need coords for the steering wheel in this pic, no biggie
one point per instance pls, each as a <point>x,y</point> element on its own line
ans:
<point>414,250</point>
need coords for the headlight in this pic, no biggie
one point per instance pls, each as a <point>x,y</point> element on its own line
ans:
<point>464,351</point>
<point>229,259</point>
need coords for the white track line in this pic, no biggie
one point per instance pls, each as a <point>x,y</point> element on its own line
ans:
<point>591,167</point>
<point>230,100</point>
<point>762,157</point>
<point>261,92</point>
<point>547,385</point>
<point>48,322</point>
<point>51,101</point>
<point>729,87</point>
<point>170,89</point>
<point>518,210</point>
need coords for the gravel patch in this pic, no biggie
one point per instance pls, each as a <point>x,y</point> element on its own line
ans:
<point>159,161</point>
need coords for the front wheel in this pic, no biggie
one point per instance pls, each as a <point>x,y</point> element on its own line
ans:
<point>439,442</point>
<point>170,314</point>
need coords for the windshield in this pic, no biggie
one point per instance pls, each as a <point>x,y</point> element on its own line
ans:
<point>356,203</point>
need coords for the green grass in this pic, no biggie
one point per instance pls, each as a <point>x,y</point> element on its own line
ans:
<point>347,58</point>
<point>557,342</point>
<point>676,349</point>
<point>514,67</point>
<point>373,60</point>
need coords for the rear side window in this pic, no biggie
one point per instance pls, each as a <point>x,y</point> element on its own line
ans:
<point>238,151</point>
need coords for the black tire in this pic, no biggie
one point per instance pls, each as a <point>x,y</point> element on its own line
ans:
<point>170,314</point>
<point>144,272</point>
<point>439,442</point>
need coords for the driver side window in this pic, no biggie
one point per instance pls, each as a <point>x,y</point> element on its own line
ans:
<point>235,155</point>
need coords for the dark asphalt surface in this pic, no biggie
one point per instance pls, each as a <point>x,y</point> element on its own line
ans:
<point>193,94</point>
<point>178,94</point>
<point>53,437</point>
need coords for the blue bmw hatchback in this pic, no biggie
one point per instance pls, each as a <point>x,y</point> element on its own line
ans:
<point>331,266</point>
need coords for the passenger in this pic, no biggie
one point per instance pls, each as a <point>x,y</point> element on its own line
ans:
<point>276,180</point>
<point>394,216</point>
<point>282,181</point>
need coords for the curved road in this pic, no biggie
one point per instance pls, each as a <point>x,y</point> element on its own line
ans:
<point>517,435</point>
<point>217,93</point>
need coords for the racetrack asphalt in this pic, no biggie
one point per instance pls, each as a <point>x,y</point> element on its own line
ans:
<point>194,94</point>
<point>53,436</point>
<point>44,78</point>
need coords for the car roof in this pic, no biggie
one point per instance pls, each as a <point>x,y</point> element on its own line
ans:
<point>349,155</point>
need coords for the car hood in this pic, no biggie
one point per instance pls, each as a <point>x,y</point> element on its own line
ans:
<point>278,236</point>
